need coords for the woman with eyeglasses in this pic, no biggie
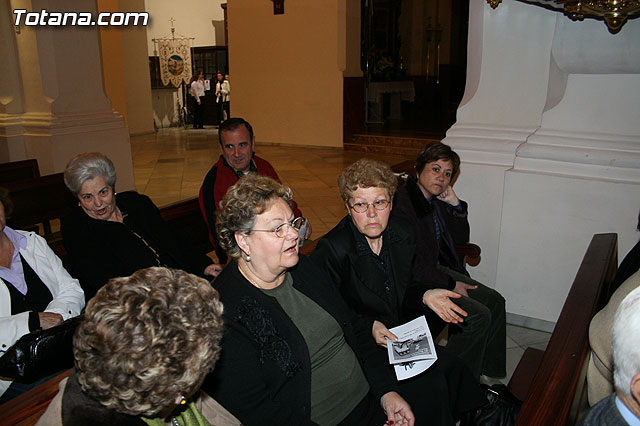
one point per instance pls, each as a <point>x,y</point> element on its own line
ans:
<point>368,256</point>
<point>293,353</point>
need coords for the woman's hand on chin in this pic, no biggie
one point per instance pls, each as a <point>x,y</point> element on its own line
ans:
<point>214,269</point>
<point>439,301</point>
<point>380,332</point>
<point>398,411</point>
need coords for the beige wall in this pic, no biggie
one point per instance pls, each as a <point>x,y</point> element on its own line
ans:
<point>287,70</point>
<point>136,76</point>
<point>113,61</point>
<point>57,107</point>
<point>125,68</point>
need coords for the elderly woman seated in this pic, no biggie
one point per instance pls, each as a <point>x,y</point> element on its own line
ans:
<point>141,353</point>
<point>293,352</point>
<point>113,235</point>
<point>368,256</point>
<point>36,291</point>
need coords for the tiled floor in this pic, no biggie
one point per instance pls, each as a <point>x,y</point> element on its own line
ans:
<point>519,339</point>
<point>170,165</point>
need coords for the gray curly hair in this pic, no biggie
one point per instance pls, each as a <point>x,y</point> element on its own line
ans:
<point>250,196</point>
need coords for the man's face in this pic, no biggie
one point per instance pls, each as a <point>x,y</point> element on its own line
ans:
<point>435,177</point>
<point>237,148</point>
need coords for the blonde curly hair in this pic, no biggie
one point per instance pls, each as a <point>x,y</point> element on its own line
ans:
<point>252,195</point>
<point>147,339</point>
<point>366,173</point>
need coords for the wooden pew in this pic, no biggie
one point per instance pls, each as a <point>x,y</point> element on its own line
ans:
<point>16,171</point>
<point>185,217</point>
<point>552,383</point>
<point>38,202</point>
<point>26,409</point>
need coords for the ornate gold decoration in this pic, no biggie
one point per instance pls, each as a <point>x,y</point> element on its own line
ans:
<point>614,12</point>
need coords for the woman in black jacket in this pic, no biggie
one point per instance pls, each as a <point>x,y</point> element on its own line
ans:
<point>113,235</point>
<point>369,258</point>
<point>293,353</point>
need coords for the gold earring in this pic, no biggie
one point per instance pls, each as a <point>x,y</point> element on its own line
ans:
<point>183,400</point>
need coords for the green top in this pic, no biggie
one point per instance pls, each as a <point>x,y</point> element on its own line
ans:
<point>185,415</point>
<point>337,381</point>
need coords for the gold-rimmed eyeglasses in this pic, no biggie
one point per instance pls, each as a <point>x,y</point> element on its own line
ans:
<point>281,230</point>
<point>363,207</point>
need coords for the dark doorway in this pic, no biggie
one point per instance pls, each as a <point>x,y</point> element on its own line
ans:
<point>414,60</point>
<point>209,60</point>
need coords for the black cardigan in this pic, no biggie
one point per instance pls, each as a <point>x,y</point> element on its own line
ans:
<point>410,204</point>
<point>264,372</point>
<point>345,255</point>
<point>99,250</point>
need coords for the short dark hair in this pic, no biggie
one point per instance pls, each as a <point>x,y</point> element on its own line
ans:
<point>232,124</point>
<point>437,151</point>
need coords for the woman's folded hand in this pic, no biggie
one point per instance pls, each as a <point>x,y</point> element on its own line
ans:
<point>49,319</point>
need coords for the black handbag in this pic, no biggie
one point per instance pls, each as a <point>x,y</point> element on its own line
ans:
<point>501,410</point>
<point>40,354</point>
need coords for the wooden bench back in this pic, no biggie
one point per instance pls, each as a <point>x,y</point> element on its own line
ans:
<point>186,218</point>
<point>16,171</point>
<point>557,395</point>
<point>26,409</point>
<point>37,202</point>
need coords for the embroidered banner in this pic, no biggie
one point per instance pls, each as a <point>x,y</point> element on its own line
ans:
<point>175,61</point>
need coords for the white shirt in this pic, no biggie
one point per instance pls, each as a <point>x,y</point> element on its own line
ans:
<point>197,89</point>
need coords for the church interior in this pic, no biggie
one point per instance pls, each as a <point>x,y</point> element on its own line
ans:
<point>544,112</point>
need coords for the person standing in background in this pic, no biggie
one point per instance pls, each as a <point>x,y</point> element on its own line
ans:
<point>222,97</point>
<point>197,91</point>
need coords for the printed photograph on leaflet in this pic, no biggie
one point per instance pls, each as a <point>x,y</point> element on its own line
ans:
<point>414,351</point>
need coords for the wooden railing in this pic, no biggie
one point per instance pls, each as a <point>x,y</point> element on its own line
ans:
<point>552,383</point>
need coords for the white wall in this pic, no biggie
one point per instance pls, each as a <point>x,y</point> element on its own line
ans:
<point>549,135</point>
<point>200,19</point>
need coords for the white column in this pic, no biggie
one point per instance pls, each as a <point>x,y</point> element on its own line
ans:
<point>64,110</point>
<point>549,135</point>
